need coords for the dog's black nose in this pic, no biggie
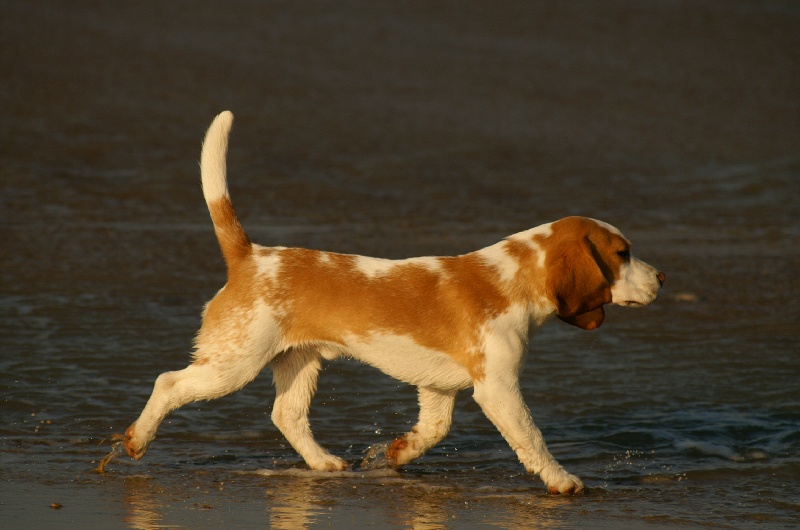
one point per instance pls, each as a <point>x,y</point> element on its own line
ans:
<point>661,278</point>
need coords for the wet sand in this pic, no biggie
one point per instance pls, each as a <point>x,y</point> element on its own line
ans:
<point>396,130</point>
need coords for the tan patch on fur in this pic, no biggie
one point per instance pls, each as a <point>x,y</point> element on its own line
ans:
<point>327,300</point>
<point>200,361</point>
<point>223,316</point>
<point>396,446</point>
<point>529,281</point>
<point>231,236</point>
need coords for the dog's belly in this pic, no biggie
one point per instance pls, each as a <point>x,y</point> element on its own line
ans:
<point>402,358</point>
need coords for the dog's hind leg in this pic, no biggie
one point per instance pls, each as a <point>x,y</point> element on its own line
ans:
<point>295,374</point>
<point>435,418</point>
<point>205,379</point>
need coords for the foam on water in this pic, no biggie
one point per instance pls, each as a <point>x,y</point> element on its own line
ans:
<point>712,449</point>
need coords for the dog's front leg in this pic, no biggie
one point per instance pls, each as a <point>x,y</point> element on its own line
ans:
<point>502,403</point>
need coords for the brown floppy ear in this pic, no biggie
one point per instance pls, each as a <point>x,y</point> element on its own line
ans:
<point>578,285</point>
<point>588,321</point>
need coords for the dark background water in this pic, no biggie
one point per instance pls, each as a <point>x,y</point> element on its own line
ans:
<point>395,130</point>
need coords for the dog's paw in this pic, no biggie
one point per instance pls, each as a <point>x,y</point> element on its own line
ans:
<point>376,457</point>
<point>559,481</point>
<point>327,462</point>
<point>135,447</point>
<point>570,485</point>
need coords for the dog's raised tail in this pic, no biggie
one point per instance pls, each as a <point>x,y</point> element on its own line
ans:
<point>232,238</point>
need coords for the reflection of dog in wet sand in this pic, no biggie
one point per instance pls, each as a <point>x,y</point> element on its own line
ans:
<point>443,324</point>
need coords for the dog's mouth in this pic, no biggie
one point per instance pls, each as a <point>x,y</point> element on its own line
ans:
<point>638,303</point>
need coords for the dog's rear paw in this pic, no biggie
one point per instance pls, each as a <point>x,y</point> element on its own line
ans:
<point>376,457</point>
<point>133,446</point>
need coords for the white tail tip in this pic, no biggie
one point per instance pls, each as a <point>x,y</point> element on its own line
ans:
<point>213,165</point>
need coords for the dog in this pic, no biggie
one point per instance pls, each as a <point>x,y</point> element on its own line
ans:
<point>443,324</point>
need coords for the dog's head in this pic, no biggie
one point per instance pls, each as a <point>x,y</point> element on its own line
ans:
<point>589,264</point>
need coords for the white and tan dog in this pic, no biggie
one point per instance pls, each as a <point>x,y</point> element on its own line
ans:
<point>443,324</point>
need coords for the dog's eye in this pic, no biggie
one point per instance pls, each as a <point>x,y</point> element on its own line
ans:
<point>624,254</point>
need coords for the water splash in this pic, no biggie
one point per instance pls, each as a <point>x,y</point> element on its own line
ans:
<point>117,449</point>
<point>376,456</point>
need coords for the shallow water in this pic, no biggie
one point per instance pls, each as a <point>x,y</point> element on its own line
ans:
<point>397,133</point>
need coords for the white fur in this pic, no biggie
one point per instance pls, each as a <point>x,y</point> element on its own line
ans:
<point>267,265</point>
<point>374,267</point>
<point>496,257</point>
<point>213,166</point>
<point>401,358</point>
<point>638,284</point>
